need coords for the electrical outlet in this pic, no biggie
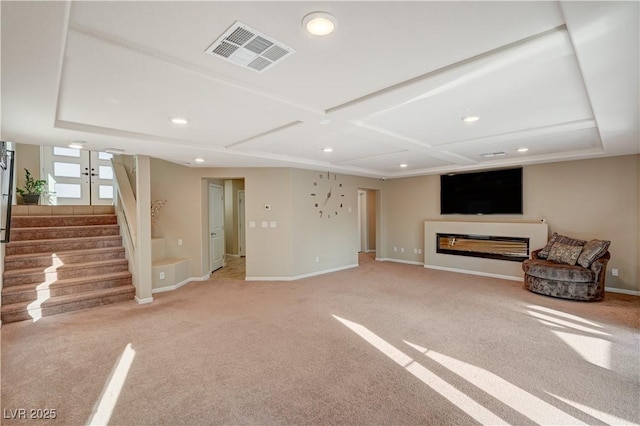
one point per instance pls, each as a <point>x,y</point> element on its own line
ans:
<point>419,251</point>
<point>179,241</point>
<point>615,272</point>
<point>162,275</point>
<point>401,249</point>
<point>317,259</point>
<point>415,251</point>
<point>395,248</point>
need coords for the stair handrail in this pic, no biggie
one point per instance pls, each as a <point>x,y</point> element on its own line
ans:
<point>9,195</point>
<point>126,200</point>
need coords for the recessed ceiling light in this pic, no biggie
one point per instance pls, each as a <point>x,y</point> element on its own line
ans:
<point>114,151</point>
<point>319,23</point>
<point>404,165</point>
<point>523,149</point>
<point>179,120</point>
<point>470,118</point>
<point>199,160</point>
<point>77,144</point>
<point>327,149</point>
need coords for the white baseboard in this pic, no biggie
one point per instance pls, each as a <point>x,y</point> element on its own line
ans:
<point>180,284</point>
<point>482,274</point>
<point>232,255</point>
<point>622,291</point>
<point>408,262</point>
<point>298,277</point>
<point>143,301</point>
<point>370,251</point>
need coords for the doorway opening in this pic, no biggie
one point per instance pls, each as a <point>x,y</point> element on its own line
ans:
<point>227,241</point>
<point>367,220</point>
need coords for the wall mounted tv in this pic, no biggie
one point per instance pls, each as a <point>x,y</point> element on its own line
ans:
<point>487,192</point>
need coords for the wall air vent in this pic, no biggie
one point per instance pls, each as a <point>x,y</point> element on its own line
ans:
<point>248,48</point>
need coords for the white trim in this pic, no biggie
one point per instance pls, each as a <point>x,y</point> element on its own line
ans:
<point>143,301</point>
<point>232,255</point>
<point>298,277</point>
<point>483,274</point>
<point>370,251</point>
<point>408,262</point>
<point>180,284</point>
<point>622,290</point>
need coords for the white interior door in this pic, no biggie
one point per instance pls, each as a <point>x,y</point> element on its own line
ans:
<point>216,227</point>
<point>101,178</point>
<point>241,226</point>
<point>78,177</point>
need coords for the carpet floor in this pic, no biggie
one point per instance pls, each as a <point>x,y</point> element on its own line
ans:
<point>383,344</point>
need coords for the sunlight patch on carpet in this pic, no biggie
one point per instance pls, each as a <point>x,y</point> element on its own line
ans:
<point>506,392</point>
<point>595,350</point>
<point>564,315</point>
<point>565,323</point>
<point>600,415</point>
<point>458,398</point>
<point>104,407</point>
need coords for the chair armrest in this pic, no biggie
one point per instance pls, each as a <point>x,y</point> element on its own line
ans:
<point>534,254</point>
<point>599,266</point>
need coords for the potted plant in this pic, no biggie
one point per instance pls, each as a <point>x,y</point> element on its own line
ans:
<point>33,188</point>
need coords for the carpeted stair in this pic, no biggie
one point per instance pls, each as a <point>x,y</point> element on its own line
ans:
<point>62,263</point>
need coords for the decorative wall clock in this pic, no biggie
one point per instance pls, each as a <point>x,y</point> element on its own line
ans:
<point>327,195</point>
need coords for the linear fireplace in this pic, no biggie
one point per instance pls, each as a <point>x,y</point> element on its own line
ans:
<point>493,247</point>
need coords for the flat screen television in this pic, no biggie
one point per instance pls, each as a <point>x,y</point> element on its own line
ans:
<point>487,192</point>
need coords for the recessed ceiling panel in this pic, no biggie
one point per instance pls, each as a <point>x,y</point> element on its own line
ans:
<point>391,163</point>
<point>110,86</point>
<point>535,84</point>
<point>568,142</point>
<point>376,44</point>
<point>307,141</point>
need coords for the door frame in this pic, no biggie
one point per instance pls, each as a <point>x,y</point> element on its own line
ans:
<point>209,200</point>
<point>363,230</point>
<point>242,238</point>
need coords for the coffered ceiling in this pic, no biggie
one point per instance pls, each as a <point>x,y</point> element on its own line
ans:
<point>389,86</point>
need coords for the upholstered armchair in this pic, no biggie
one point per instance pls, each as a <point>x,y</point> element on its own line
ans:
<point>568,268</point>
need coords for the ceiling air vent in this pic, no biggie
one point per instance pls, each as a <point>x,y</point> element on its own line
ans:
<point>493,154</point>
<point>248,48</point>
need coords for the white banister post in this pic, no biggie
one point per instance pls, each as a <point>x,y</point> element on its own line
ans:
<point>143,238</point>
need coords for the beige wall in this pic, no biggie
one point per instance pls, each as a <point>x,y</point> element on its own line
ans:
<point>597,198</point>
<point>294,234</point>
<point>185,216</point>
<point>27,157</point>
<point>328,241</point>
<point>586,199</point>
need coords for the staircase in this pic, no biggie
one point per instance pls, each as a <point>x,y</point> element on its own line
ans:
<point>58,263</point>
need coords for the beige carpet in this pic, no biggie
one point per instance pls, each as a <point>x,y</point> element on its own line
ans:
<point>385,344</point>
